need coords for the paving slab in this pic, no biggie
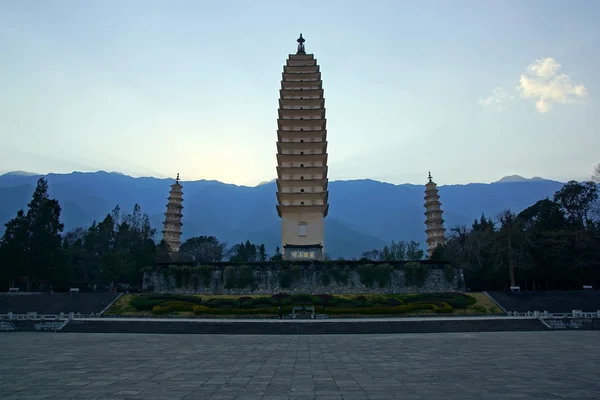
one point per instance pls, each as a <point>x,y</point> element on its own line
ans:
<point>498,365</point>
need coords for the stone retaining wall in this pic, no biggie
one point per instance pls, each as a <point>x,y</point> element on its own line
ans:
<point>298,279</point>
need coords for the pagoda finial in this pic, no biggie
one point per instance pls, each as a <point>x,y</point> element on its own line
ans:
<point>429,177</point>
<point>177,179</point>
<point>300,45</point>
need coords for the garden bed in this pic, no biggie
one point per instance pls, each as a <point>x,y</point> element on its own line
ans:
<point>227,306</point>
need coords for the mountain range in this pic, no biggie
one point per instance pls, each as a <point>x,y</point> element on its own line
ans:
<point>364,214</point>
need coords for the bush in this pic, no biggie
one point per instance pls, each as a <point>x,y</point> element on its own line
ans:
<point>239,277</point>
<point>173,306</point>
<point>144,303</point>
<point>199,310</point>
<point>455,300</point>
<point>369,274</point>
<point>340,302</point>
<point>177,297</point>
<point>401,309</point>
<point>377,301</point>
<point>299,300</point>
<point>442,308</point>
<point>222,303</point>
<point>415,274</point>
<point>479,309</point>
<point>260,302</point>
<point>449,273</point>
<point>288,276</point>
<point>326,278</point>
<point>392,301</point>
<point>244,299</point>
<point>340,274</point>
<point>203,274</point>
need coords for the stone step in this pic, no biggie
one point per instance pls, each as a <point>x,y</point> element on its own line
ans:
<point>55,303</point>
<point>551,301</point>
<point>304,328</point>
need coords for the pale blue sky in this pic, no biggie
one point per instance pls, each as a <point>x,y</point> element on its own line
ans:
<point>156,87</point>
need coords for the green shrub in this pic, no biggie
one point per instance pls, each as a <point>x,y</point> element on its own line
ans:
<point>392,301</point>
<point>326,278</point>
<point>144,303</point>
<point>199,310</point>
<point>203,274</point>
<point>415,274</point>
<point>239,277</point>
<point>173,306</point>
<point>260,302</point>
<point>449,274</point>
<point>401,309</point>
<point>370,274</point>
<point>244,299</point>
<point>442,307</point>
<point>222,303</point>
<point>340,275</point>
<point>340,302</point>
<point>287,276</point>
<point>455,300</point>
<point>479,309</point>
<point>176,297</point>
<point>377,301</point>
<point>299,300</point>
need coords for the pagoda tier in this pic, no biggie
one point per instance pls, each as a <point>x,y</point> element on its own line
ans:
<point>302,148</point>
<point>302,136</point>
<point>172,225</point>
<point>302,157</point>
<point>301,104</point>
<point>434,223</point>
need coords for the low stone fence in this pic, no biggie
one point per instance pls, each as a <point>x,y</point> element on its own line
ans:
<point>305,279</point>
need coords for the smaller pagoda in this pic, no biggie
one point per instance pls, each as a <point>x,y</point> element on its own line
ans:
<point>171,232</point>
<point>433,212</point>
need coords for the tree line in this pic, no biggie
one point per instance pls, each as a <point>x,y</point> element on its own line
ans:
<point>553,244</point>
<point>36,255</point>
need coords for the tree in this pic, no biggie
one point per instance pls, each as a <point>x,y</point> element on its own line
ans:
<point>262,253</point>
<point>397,251</point>
<point>577,200</point>
<point>414,251</point>
<point>244,252</point>
<point>14,249</point>
<point>596,174</point>
<point>371,255</point>
<point>203,249</point>
<point>277,256</point>
<point>45,241</point>
<point>511,243</point>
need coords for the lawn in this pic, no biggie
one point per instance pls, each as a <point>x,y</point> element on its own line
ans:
<point>350,305</point>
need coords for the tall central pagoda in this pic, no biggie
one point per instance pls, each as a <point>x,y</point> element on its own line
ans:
<point>302,158</point>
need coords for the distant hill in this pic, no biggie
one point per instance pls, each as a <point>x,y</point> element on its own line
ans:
<point>364,214</point>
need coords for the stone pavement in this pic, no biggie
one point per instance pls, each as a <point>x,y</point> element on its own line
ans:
<point>462,366</point>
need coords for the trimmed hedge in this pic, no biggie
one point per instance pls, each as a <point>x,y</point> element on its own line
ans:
<point>173,306</point>
<point>246,305</point>
<point>242,275</point>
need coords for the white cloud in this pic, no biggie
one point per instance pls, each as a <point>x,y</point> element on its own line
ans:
<point>496,99</point>
<point>543,83</point>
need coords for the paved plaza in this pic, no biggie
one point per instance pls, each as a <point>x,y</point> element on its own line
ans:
<point>516,365</point>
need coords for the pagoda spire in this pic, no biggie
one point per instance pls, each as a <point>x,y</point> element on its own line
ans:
<point>301,41</point>
<point>172,224</point>
<point>302,194</point>
<point>433,212</point>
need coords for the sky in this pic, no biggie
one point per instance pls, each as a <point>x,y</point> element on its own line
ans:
<point>471,90</point>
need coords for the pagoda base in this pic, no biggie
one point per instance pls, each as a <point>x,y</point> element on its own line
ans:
<point>303,252</point>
